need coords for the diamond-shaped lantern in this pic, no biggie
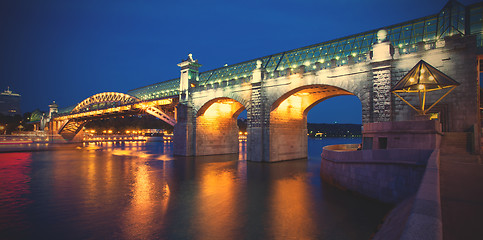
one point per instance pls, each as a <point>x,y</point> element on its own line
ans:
<point>421,79</point>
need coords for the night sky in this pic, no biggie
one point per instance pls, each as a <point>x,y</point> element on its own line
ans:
<point>67,51</point>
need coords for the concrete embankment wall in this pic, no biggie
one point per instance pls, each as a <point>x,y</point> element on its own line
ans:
<point>388,175</point>
<point>418,217</point>
<point>424,221</point>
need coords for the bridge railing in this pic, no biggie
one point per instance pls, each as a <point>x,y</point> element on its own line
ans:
<point>222,84</point>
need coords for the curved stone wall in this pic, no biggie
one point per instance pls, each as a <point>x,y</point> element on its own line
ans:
<point>388,175</point>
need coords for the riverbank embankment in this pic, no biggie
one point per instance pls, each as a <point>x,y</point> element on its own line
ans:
<point>408,178</point>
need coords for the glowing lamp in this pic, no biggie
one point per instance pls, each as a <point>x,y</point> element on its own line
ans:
<point>421,79</point>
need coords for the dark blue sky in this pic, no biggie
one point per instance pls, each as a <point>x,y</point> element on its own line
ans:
<point>66,50</point>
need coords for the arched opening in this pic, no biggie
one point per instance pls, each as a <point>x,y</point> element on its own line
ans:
<point>337,120</point>
<point>288,120</point>
<point>216,127</point>
<point>242,123</point>
<point>345,109</point>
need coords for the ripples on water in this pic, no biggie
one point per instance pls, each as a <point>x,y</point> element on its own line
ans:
<point>140,191</point>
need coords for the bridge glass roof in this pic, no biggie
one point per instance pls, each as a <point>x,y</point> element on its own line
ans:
<point>158,90</point>
<point>404,36</point>
<point>66,110</point>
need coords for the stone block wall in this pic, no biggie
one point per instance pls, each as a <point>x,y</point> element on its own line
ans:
<point>288,139</point>
<point>381,94</point>
<point>184,131</point>
<point>216,127</point>
<point>216,135</point>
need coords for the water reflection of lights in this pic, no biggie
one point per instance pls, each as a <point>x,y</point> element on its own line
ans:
<point>116,138</point>
<point>217,206</point>
<point>242,153</point>
<point>14,183</point>
<point>291,217</point>
<point>141,154</point>
<point>147,204</point>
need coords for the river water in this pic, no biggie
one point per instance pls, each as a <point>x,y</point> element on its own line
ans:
<point>140,191</point>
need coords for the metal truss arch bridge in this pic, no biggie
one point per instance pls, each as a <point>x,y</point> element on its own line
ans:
<point>108,104</point>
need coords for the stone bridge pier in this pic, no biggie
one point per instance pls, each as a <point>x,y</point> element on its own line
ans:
<point>277,103</point>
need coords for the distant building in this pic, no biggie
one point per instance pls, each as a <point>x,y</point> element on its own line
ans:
<point>10,103</point>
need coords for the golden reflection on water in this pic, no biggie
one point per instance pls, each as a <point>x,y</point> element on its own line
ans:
<point>217,206</point>
<point>117,183</point>
<point>149,201</point>
<point>290,210</point>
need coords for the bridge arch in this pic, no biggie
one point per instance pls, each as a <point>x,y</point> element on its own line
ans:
<point>288,119</point>
<point>359,85</point>
<point>216,126</point>
<point>113,98</point>
<point>202,100</point>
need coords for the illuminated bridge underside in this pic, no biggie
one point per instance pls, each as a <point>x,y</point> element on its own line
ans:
<point>161,115</point>
<point>104,105</point>
<point>288,120</point>
<point>70,128</point>
<point>216,127</point>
